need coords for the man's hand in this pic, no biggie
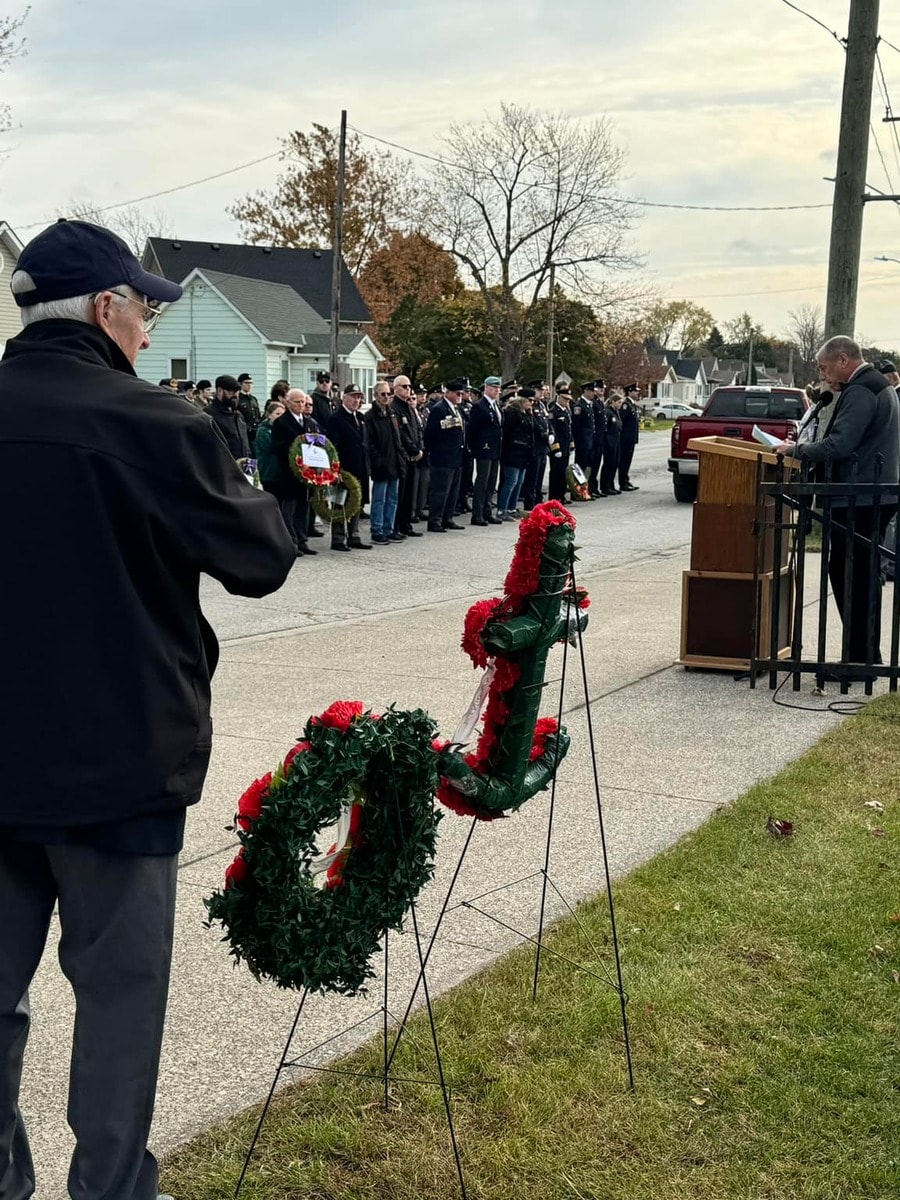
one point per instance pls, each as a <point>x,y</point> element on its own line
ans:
<point>788,449</point>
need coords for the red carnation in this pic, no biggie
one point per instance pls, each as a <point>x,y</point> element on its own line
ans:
<point>250,804</point>
<point>439,745</point>
<point>293,752</point>
<point>478,617</point>
<point>236,871</point>
<point>544,729</point>
<point>341,714</point>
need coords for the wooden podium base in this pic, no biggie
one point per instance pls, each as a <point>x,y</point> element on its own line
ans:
<point>718,614</point>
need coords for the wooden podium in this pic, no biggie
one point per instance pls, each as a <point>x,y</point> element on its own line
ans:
<point>726,594</point>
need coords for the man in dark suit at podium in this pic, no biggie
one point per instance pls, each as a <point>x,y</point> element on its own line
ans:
<point>866,424</point>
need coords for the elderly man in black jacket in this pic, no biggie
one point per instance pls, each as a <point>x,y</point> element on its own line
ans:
<point>347,433</point>
<point>483,440</point>
<point>106,733</point>
<point>386,463</point>
<point>410,425</point>
<point>865,428</point>
<point>294,423</point>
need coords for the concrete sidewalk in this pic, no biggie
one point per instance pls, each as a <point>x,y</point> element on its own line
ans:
<point>672,746</point>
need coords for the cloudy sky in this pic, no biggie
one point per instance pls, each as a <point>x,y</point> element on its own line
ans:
<point>716,102</point>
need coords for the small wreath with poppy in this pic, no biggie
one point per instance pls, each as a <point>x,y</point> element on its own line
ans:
<point>577,489</point>
<point>375,778</point>
<point>318,477</point>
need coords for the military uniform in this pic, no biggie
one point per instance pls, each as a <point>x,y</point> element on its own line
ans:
<point>560,448</point>
<point>583,429</point>
<point>445,436</point>
<point>631,426</point>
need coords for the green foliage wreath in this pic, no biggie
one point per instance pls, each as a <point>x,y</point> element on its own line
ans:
<point>276,918</point>
<point>342,513</point>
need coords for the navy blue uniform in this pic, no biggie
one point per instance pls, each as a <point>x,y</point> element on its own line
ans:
<point>560,449</point>
<point>445,435</point>
<point>631,426</point>
<point>583,431</point>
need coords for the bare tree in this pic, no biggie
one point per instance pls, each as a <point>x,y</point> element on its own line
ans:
<point>519,193</point>
<point>806,332</point>
<point>381,197</point>
<point>12,46</point>
<point>131,222</point>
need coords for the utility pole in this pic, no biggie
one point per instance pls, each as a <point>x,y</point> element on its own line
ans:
<point>850,181</point>
<point>337,254</point>
<point>750,360</point>
<point>550,322</point>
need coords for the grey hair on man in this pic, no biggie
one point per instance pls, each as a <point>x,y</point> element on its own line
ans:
<point>841,344</point>
<point>71,308</point>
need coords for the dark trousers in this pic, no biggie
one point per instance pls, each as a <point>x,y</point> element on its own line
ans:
<point>556,489</point>
<point>858,615</point>
<point>534,481</point>
<point>486,470</point>
<point>409,486</point>
<point>117,914</point>
<point>343,532</point>
<point>443,493</point>
<point>583,456</point>
<point>626,454</point>
<point>466,483</point>
<point>422,488</point>
<point>296,512</point>
<point>594,475</point>
<point>609,466</point>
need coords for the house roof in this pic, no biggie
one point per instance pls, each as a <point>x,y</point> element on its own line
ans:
<point>308,272</point>
<point>688,368</point>
<point>319,344</point>
<point>10,239</point>
<point>275,309</point>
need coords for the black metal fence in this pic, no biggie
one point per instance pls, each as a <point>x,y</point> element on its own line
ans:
<point>841,532</point>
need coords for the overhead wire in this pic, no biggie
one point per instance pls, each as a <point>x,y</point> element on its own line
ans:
<point>177,188</point>
<point>455,166</point>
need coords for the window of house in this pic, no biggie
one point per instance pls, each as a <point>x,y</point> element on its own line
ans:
<point>285,368</point>
<point>178,368</point>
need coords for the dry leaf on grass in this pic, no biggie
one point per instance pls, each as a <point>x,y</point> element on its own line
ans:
<point>779,828</point>
<point>875,805</point>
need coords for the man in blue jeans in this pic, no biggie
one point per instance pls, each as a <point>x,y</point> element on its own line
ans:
<point>386,465</point>
<point>106,733</point>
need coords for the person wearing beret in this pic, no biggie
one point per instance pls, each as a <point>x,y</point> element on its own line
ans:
<point>561,443</point>
<point>631,429</point>
<point>483,439</point>
<point>445,435</point>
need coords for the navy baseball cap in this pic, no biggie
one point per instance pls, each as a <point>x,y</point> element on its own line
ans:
<point>75,258</point>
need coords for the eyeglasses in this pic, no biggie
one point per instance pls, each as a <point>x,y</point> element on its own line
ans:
<point>151,315</point>
<point>404,386</point>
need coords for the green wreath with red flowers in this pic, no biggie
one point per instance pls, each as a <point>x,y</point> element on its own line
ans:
<point>327,482</point>
<point>310,920</point>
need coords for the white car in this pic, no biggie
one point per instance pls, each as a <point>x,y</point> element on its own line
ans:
<point>669,412</point>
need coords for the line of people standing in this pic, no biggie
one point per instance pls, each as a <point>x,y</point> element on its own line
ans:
<point>429,456</point>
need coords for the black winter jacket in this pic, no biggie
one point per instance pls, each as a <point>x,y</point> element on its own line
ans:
<point>866,424</point>
<point>232,425</point>
<point>347,433</point>
<point>518,438</point>
<point>114,497</point>
<point>386,457</point>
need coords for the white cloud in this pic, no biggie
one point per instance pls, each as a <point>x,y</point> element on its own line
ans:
<point>732,104</point>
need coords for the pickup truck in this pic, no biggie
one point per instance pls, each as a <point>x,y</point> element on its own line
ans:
<point>732,412</point>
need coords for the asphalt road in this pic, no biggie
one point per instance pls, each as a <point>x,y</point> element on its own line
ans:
<point>440,567</point>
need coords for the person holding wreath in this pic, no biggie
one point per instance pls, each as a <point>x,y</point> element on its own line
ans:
<point>346,431</point>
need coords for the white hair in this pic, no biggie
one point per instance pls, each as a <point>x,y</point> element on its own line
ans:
<point>841,345</point>
<point>73,308</point>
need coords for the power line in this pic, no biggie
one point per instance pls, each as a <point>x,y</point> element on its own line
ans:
<point>888,108</point>
<point>813,287</point>
<point>610,199</point>
<point>815,20</point>
<point>178,187</point>
<point>891,44</point>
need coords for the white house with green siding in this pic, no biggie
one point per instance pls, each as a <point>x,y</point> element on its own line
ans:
<point>263,310</point>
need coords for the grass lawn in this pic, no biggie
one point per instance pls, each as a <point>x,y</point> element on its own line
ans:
<point>656,426</point>
<point>764,977</point>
